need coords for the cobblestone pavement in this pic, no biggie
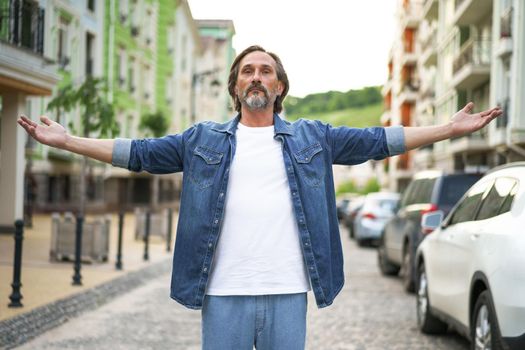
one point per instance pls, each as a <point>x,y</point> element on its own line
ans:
<point>372,312</point>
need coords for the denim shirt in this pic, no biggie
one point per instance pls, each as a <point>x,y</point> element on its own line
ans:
<point>204,153</point>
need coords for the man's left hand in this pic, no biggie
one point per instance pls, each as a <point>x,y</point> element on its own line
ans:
<point>463,122</point>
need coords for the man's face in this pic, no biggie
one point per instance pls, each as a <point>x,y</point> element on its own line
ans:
<point>257,84</point>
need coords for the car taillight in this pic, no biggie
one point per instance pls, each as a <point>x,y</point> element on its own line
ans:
<point>429,209</point>
<point>369,216</point>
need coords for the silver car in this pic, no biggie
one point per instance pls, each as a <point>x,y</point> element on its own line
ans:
<point>377,208</point>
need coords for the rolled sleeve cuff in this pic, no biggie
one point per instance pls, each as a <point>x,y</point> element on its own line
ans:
<point>121,152</point>
<point>395,139</point>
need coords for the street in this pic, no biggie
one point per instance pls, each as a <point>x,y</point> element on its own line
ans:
<point>371,312</point>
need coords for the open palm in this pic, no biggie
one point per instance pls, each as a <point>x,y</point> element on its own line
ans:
<point>463,122</point>
<point>49,133</point>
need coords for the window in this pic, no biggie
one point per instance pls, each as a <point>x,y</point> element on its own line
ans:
<point>131,75</point>
<point>468,207</point>
<point>494,199</point>
<point>454,187</point>
<point>90,43</point>
<point>63,43</point>
<point>424,191</point>
<point>123,10</point>
<point>507,204</point>
<point>91,5</point>
<point>122,67</point>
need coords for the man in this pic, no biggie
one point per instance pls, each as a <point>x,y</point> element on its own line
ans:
<point>265,187</point>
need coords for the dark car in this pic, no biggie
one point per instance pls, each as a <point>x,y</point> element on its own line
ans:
<point>350,214</point>
<point>428,191</point>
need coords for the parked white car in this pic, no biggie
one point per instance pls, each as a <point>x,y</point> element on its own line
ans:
<point>377,209</point>
<point>471,269</point>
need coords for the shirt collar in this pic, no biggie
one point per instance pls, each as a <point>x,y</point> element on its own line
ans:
<point>280,126</point>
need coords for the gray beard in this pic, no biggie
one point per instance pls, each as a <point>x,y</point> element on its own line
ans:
<point>256,102</point>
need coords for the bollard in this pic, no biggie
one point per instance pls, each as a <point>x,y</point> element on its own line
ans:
<point>16,296</point>
<point>146,236</point>
<point>118,264</point>
<point>77,278</point>
<point>170,220</point>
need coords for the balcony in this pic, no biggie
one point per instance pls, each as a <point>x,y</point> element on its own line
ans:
<point>471,11</point>
<point>23,67</point>
<point>471,66</point>
<point>410,15</point>
<point>22,25</point>
<point>387,88</point>
<point>430,10</point>
<point>408,91</point>
<point>429,49</point>
<point>473,143</point>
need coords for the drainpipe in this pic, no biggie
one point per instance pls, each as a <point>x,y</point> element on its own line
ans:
<point>111,49</point>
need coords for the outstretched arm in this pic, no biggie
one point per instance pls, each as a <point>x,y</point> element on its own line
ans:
<point>53,134</point>
<point>462,123</point>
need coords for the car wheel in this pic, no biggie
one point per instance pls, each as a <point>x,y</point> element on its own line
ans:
<point>426,321</point>
<point>407,272</point>
<point>386,267</point>
<point>484,330</point>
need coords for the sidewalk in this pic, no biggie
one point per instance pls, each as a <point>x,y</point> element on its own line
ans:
<point>44,282</point>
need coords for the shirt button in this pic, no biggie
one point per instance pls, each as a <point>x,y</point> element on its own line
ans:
<point>216,221</point>
<point>300,221</point>
<point>306,159</point>
<point>311,267</point>
<point>289,168</point>
<point>205,269</point>
<point>210,245</point>
<point>221,194</point>
<point>294,193</point>
<point>306,244</point>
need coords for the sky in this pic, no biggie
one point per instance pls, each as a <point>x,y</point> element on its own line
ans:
<point>324,45</point>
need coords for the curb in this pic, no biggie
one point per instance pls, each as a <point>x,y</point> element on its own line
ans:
<point>22,328</point>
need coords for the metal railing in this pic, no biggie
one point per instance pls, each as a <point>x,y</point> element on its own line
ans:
<point>22,24</point>
<point>476,52</point>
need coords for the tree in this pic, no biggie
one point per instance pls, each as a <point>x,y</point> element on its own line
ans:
<point>97,117</point>
<point>154,123</point>
<point>157,125</point>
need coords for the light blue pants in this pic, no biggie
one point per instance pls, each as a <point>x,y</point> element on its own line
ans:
<point>268,322</point>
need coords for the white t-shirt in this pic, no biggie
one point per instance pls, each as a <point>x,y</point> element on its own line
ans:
<point>259,250</point>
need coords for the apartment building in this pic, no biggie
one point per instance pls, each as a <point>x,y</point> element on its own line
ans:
<point>26,69</point>
<point>148,51</point>
<point>74,40</point>
<point>401,89</point>
<point>466,51</point>
<point>213,68</point>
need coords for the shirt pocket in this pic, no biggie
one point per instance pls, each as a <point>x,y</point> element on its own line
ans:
<point>204,165</point>
<point>310,164</point>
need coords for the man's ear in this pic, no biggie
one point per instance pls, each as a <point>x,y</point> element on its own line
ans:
<point>280,87</point>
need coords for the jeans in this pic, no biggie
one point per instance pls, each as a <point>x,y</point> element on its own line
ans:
<point>268,322</point>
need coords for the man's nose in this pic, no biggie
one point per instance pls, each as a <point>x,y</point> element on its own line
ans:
<point>256,75</point>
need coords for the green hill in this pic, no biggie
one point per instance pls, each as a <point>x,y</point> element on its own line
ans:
<point>354,117</point>
<point>357,108</point>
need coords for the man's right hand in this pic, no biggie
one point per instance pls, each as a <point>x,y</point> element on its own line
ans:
<point>49,133</point>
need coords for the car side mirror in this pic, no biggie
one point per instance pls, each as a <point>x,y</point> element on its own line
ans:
<point>431,221</point>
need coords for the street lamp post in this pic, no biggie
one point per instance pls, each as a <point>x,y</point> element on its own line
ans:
<point>198,78</point>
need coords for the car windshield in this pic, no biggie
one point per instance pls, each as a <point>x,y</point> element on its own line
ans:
<point>455,186</point>
<point>383,204</point>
